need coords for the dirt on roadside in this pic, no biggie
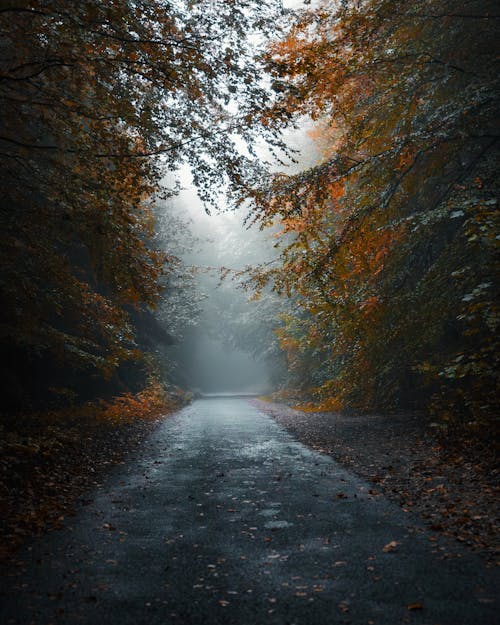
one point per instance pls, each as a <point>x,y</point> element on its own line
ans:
<point>455,490</point>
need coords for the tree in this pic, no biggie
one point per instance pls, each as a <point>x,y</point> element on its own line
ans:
<point>394,257</point>
<point>97,101</point>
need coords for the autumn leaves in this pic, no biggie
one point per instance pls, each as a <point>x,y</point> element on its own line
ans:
<point>86,95</point>
<point>388,245</point>
<point>386,216</point>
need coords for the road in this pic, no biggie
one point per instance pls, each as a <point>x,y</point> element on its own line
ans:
<point>223,518</point>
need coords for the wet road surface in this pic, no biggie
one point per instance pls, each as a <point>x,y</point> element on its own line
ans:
<point>223,518</point>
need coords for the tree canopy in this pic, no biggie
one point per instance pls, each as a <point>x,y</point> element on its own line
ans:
<point>98,100</point>
<point>388,250</point>
<point>393,257</point>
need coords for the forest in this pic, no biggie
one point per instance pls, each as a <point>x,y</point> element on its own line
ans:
<point>371,261</point>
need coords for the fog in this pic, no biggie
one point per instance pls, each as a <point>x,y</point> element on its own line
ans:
<point>213,356</point>
<point>231,347</point>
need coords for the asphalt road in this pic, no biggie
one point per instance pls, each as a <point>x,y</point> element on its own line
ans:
<point>224,518</point>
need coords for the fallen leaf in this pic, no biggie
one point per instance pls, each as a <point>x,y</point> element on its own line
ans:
<point>343,606</point>
<point>390,546</point>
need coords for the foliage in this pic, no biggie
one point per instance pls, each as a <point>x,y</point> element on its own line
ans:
<point>97,101</point>
<point>150,403</point>
<point>394,249</point>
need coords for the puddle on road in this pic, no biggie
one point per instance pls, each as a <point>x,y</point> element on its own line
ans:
<point>275,525</point>
<point>269,512</point>
<point>257,449</point>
